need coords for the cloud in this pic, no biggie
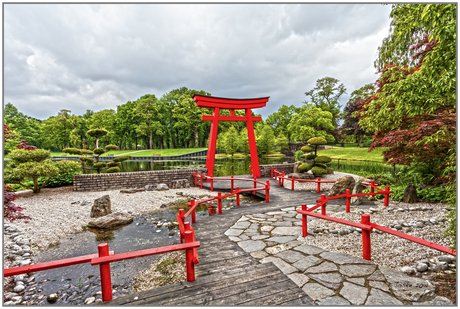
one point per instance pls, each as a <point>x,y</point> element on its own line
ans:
<point>98,56</point>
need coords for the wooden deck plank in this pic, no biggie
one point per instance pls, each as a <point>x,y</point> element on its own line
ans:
<point>276,299</point>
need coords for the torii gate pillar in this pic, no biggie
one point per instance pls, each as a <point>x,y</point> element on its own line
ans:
<point>217,104</point>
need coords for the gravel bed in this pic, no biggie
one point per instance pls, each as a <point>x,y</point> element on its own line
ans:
<point>313,186</point>
<point>387,249</point>
<point>54,216</point>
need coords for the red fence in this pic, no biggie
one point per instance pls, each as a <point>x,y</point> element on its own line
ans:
<point>281,177</point>
<point>103,258</point>
<point>366,227</point>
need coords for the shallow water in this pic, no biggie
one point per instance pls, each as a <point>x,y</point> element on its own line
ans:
<point>75,283</point>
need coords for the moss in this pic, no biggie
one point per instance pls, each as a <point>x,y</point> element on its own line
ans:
<point>304,167</point>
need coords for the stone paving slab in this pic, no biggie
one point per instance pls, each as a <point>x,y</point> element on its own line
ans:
<point>331,278</point>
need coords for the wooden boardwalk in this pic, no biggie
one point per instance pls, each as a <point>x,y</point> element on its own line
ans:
<point>227,275</point>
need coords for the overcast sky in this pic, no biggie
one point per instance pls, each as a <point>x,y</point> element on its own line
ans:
<point>98,56</point>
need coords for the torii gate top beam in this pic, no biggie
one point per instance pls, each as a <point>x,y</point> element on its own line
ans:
<point>227,103</point>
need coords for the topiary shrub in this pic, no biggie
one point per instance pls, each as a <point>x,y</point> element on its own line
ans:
<point>321,165</point>
<point>114,169</point>
<point>318,171</point>
<point>304,167</point>
<point>317,141</point>
<point>307,148</point>
<point>310,156</point>
<point>298,154</point>
<point>323,159</point>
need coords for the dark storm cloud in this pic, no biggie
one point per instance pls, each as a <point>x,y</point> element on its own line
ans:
<point>86,56</point>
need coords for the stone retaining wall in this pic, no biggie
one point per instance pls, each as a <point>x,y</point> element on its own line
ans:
<point>113,181</point>
<point>265,170</point>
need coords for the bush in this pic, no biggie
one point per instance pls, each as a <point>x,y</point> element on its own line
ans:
<point>436,194</point>
<point>11,212</point>
<point>310,156</point>
<point>322,159</point>
<point>304,167</point>
<point>121,158</point>
<point>317,141</point>
<point>61,180</point>
<point>298,153</point>
<point>111,147</point>
<point>113,170</point>
<point>99,165</point>
<point>321,165</point>
<point>112,164</point>
<point>307,148</point>
<point>99,151</point>
<point>74,151</point>
<point>319,171</point>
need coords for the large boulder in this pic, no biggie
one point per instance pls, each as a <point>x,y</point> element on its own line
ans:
<point>101,207</point>
<point>150,187</point>
<point>357,189</point>
<point>330,171</point>
<point>342,185</point>
<point>180,183</point>
<point>296,166</point>
<point>110,221</point>
<point>410,195</point>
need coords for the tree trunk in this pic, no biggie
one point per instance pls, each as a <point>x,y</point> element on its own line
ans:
<point>196,138</point>
<point>97,143</point>
<point>150,140</point>
<point>36,187</point>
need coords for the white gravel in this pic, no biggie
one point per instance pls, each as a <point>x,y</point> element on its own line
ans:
<point>386,249</point>
<point>54,216</point>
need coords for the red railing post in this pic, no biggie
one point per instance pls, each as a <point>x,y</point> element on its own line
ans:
<point>232,183</point>
<point>189,265</point>
<point>267,190</point>
<point>282,179</point>
<point>279,180</point>
<point>196,179</point>
<point>237,196</point>
<point>319,185</point>
<point>292,183</point>
<point>387,196</point>
<point>366,219</point>
<point>323,207</point>
<point>255,186</point>
<point>219,202</point>
<point>347,207</point>
<point>276,174</point>
<point>201,177</point>
<point>192,204</point>
<point>181,215</point>
<point>212,186</point>
<point>106,281</point>
<point>271,172</point>
<point>304,221</point>
<point>372,186</point>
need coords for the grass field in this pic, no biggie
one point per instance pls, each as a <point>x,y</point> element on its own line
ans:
<point>353,153</point>
<point>162,152</point>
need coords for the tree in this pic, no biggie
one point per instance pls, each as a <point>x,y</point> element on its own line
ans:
<point>112,166</point>
<point>188,114</point>
<point>281,140</point>
<point>326,95</point>
<point>280,120</point>
<point>147,113</point>
<point>265,140</point>
<point>104,119</point>
<point>97,134</point>
<point>351,125</point>
<point>25,164</point>
<point>413,110</point>
<point>231,141</point>
<point>310,122</point>
<point>25,127</point>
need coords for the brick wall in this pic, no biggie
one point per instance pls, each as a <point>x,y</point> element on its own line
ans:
<point>113,181</point>
<point>265,170</point>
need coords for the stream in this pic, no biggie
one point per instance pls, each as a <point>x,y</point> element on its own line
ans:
<point>74,284</point>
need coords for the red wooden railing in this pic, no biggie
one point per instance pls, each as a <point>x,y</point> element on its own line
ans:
<point>366,226</point>
<point>103,258</point>
<point>281,177</point>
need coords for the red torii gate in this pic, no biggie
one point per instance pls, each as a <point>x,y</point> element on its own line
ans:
<point>225,103</point>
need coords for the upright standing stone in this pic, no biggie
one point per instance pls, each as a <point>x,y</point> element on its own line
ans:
<point>410,194</point>
<point>358,189</point>
<point>342,185</point>
<point>101,207</point>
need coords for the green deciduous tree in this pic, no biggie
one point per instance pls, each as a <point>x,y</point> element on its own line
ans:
<point>231,142</point>
<point>265,140</point>
<point>310,122</point>
<point>280,120</point>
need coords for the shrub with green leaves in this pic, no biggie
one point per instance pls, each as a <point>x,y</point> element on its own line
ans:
<point>323,159</point>
<point>307,148</point>
<point>318,171</point>
<point>310,156</point>
<point>321,165</point>
<point>114,169</point>
<point>304,167</point>
<point>298,155</point>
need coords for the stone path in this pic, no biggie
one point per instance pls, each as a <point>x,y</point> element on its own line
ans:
<point>251,255</point>
<point>329,278</point>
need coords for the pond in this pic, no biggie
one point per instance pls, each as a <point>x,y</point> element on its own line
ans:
<point>222,167</point>
<point>76,283</point>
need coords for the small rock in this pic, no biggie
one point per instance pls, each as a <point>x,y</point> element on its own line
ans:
<point>90,300</point>
<point>421,267</point>
<point>52,298</point>
<point>408,270</point>
<point>162,187</point>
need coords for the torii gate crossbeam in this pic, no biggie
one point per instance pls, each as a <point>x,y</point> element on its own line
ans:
<point>217,104</point>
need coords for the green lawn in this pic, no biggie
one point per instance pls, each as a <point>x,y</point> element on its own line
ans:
<point>141,153</point>
<point>353,153</point>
